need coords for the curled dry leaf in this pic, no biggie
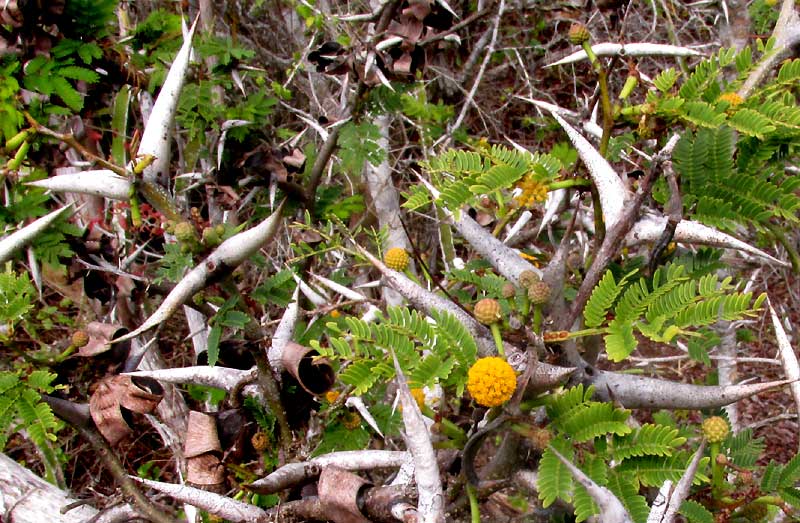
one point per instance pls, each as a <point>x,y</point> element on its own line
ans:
<point>202,450</point>
<point>313,373</point>
<point>100,336</point>
<point>115,397</point>
<point>339,491</point>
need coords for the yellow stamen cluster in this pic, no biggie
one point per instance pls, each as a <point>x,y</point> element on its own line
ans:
<point>732,98</point>
<point>396,259</point>
<point>715,429</point>
<point>533,191</point>
<point>332,395</point>
<point>491,381</point>
<point>419,397</point>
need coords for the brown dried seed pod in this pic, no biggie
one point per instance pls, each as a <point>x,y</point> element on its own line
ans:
<point>487,311</point>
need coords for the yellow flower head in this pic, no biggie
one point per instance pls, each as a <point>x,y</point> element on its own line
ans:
<point>332,395</point>
<point>491,381</point>
<point>419,397</point>
<point>732,98</point>
<point>396,259</point>
<point>532,192</point>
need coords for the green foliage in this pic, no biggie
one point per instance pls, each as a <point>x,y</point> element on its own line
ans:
<point>596,438</point>
<point>226,316</point>
<point>358,143</point>
<point>276,290</point>
<point>338,436</point>
<point>664,307</point>
<point>648,440</point>
<point>89,18</point>
<point>555,480</point>
<point>173,264</point>
<point>429,353</point>
<point>724,192</point>
<point>55,76</point>
<point>11,117</point>
<point>17,295</point>
<point>763,15</point>
<point>21,407</point>
<point>574,413</point>
<point>695,512</point>
<point>331,203</point>
<point>706,99</point>
<point>463,176</point>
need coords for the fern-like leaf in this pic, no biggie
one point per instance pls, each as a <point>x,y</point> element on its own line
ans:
<point>695,512</point>
<point>751,123</point>
<point>648,440</point>
<point>625,488</point>
<point>771,477</point>
<point>665,80</point>
<point>430,370</point>
<point>744,450</point>
<point>790,473</point>
<point>653,471</point>
<point>593,420</point>
<point>362,375</point>
<point>584,504</point>
<point>603,297</point>
<point>555,479</point>
<point>452,332</point>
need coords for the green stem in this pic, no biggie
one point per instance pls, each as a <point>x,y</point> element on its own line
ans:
<point>504,221</point>
<point>526,304</point>
<point>566,184</point>
<point>445,237</point>
<point>605,97</point>
<point>474,510</point>
<point>587,332</point>
<point>537,318</point>
<point>498,339</point>
<point>716,472</point>
<point>787,244</point>
<point>453,431</point>
<point>599,225</point>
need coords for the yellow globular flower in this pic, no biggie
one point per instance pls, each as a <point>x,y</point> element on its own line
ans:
<point>332,395</point>
<point>396,259</point>
<point>335,313</point>
<point>732,98</point>
<point>715,429</point>
<point>419,397</point>
<point>491,381</point>
<point>532,191</point>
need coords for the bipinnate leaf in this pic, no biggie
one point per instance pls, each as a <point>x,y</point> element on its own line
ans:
<point>555,480</point>
<point>695,512</point>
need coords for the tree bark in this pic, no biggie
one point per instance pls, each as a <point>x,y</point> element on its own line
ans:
<point>27,498</point>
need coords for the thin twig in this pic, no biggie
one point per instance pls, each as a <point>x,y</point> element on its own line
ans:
<point>471,96</point>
